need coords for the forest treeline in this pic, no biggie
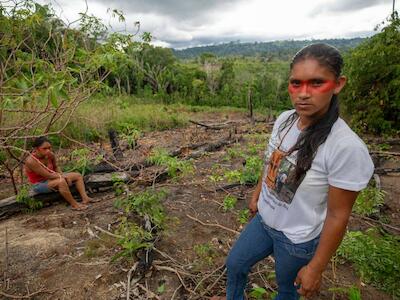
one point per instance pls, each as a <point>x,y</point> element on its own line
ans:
<point>271,50</point>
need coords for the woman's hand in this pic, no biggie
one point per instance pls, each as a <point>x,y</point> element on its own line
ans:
<point>253,206</point>
<point>309,280</point>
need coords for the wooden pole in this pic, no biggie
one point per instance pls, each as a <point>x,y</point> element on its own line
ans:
<point>250,104</point>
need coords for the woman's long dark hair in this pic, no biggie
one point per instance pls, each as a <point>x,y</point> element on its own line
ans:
<point>316,134</point>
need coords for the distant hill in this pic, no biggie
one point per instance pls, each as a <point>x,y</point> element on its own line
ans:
<point>277,49</point>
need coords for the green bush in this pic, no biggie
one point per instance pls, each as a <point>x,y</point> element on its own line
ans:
<point>145,203</point>
<point>243,216</point>
<point>160,157</point>
<point>372,94</point>
<point>369,201</point>
<point>132,238</point>
<point>229,203</point>
<point>31,203</point>
<point>376,257</point>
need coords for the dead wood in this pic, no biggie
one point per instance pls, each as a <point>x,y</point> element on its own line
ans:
<point>114,141</point>
<point>386,171</point>
<point>214,126</point>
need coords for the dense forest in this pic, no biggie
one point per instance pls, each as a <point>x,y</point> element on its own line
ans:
<point>271,50</point>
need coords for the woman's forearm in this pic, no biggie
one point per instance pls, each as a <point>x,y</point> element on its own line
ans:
<point>257,191</point>
<point>331,236</point>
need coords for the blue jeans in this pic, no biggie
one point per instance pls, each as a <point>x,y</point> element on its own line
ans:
<point>256,242</point>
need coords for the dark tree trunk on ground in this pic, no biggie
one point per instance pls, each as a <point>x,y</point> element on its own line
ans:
<point>113,135</point>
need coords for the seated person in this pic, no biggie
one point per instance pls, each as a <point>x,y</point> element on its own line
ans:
<point>45,176</point>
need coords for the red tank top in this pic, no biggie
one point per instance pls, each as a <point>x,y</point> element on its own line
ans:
<point>34,177</point>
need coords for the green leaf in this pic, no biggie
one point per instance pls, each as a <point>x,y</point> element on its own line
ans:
<point>53,96</point>
<point>257,292</point>
<point>161,289</point>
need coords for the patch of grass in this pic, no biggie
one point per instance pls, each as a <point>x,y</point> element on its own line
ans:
<point>376,257</point>
<point>353,293</point>
<point>97,247</point>
<point>383,147</point>
<point>205,255</point>
<point>234,152</point>
<point>259,138</point>
<point>119,111</point>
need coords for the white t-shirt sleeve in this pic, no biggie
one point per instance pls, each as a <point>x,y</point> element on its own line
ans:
<point>349,164</point>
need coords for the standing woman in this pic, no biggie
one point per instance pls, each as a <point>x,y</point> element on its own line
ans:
<point>46,176</point>
<point>302,219</point>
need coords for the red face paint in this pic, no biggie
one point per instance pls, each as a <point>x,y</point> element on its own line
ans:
<point>314,86</point>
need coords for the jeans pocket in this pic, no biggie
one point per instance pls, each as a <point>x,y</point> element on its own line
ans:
<point>303,250</point>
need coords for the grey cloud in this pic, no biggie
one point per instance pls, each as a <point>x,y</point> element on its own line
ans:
<point>175,9</point>
<point>339,6</point>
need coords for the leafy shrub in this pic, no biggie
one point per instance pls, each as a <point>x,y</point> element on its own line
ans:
<point>258,292</point>
<point>229,203</point>
<point>118,185</point>
<point>249,174</point>
<point>372,94</point>
<point>31,203</point>
<point>244,216</point>
<point>376,257</point>
<point>133,238</point>
<point>369,201</point>
<point>252,170</point>
<point>145,203</point>
<point>161,157</point>
<point>81,161</point>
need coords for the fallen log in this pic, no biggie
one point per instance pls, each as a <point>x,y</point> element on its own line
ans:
<point>214,126</point>
<point>385,171</point>
<point>376,141</point>
<point>211,148</point>
<point>385,153</point>
<point>94,182</point>
<point>104,167</point>
<point>114,141</point>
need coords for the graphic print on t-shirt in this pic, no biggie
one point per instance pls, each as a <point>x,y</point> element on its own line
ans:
<point>281,176</point>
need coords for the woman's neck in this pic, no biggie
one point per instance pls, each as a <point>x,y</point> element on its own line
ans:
<point>304,122</point>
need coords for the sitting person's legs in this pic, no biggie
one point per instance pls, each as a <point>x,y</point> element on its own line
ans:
<point>61,185</point>
<point>77,179</point>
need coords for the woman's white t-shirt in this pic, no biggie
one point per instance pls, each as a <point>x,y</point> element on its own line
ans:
<point>298,207</point>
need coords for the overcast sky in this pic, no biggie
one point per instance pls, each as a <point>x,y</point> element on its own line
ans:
<point>187,23</point>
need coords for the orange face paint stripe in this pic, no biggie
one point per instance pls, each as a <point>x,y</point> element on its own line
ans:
<point>309,87</point>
